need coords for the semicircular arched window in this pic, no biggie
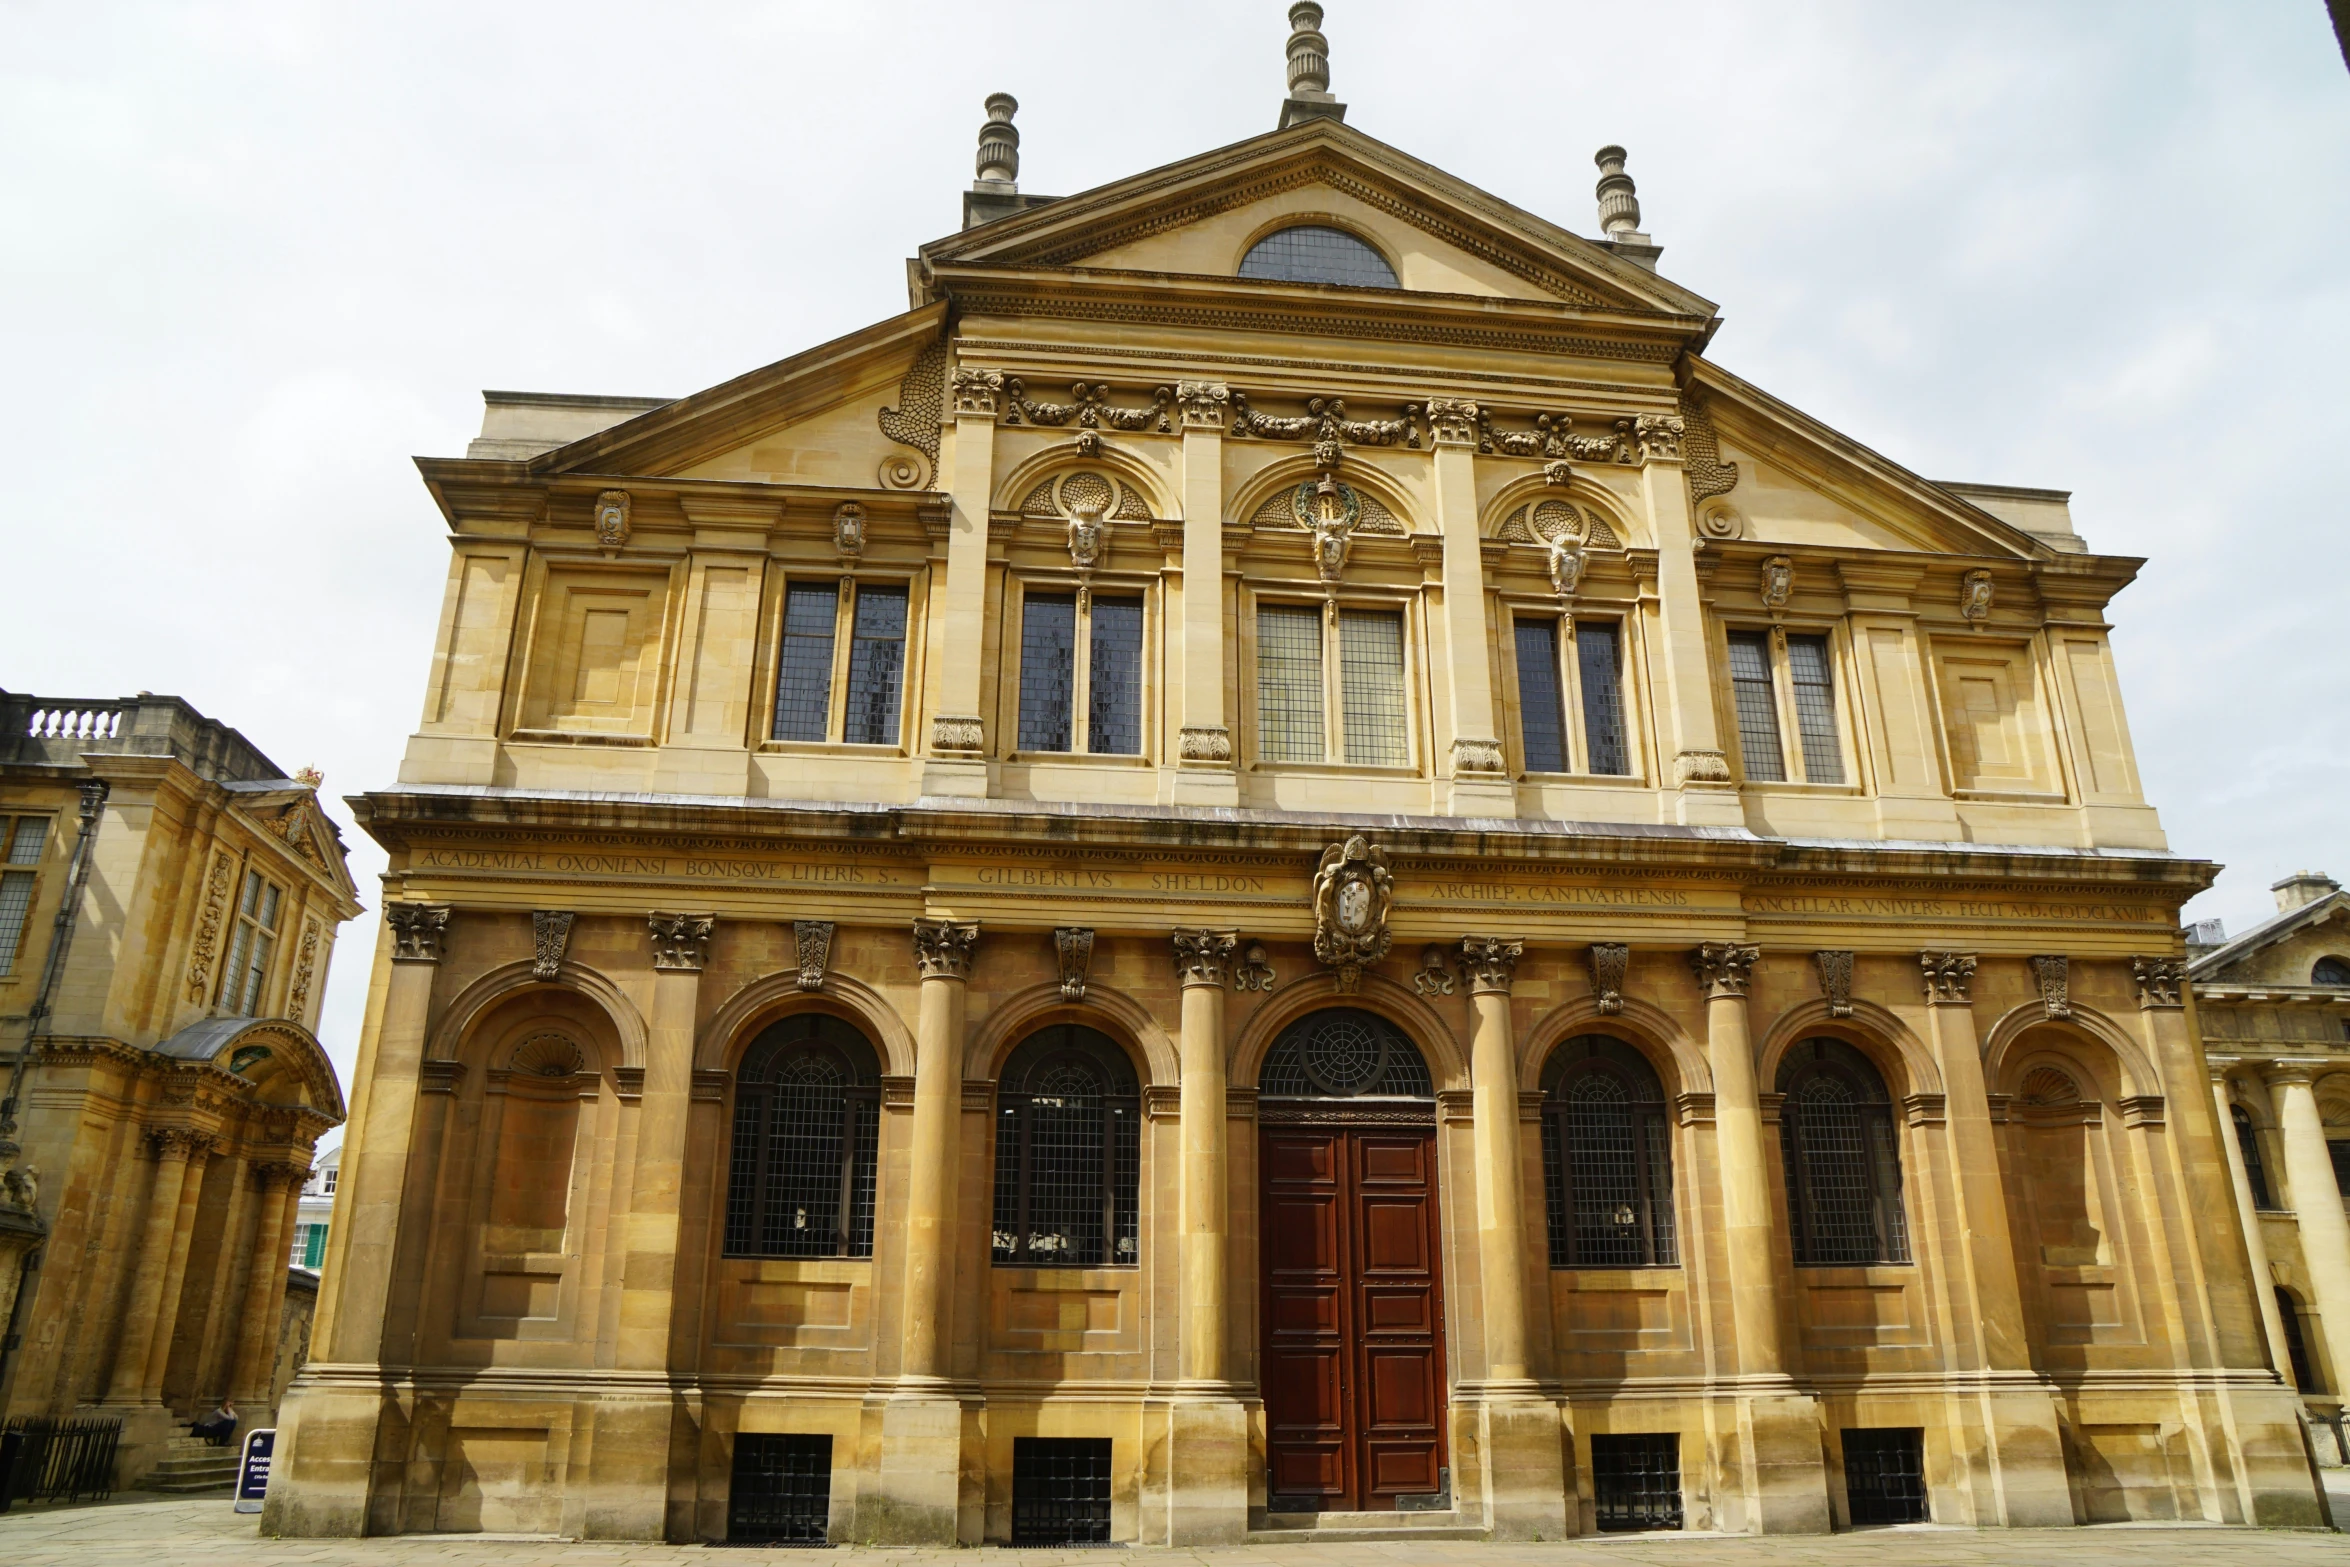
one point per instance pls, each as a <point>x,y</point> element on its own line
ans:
<point>1068,1153</point>
<point>2330,971</point>
<point>807,1126</point>
<point>1843,1159</point>
<point>1607,1158</point>
<point>1344,1053</point>
<point>1316,253</point>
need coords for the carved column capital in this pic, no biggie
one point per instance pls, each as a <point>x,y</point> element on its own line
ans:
<point>2297,1074</point>
<point>2053,973</point>
<point>1491,963</point>
<point>276,1174</point>
<point>1205,404</point>
<point>1204,957</point>
<point>943,948</point>
<point>1724,969</point>
<point>417,930</point>
<point>181,1142</point>
<point>1472,756</point>
<point>680,941</point>
<point>1205,745</point>
<point>1949,977</point>
<point>1609,960</point>
<point>957,735</point>
<point>2162,982</point>
<point>978,393</point>
<point>1659,437</point>
<point>1453,421</point>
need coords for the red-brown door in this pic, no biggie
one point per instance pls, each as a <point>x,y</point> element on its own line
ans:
<point>1353,1370</point>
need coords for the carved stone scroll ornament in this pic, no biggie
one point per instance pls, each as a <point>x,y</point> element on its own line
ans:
<point>1974,597</point>
<point>1836,981</point>
<point>207,947</point>
<point>1434,976</point>
<point>1777,583</point>
<point>1701,767</point>
<point>1073,950</point>
<point>1353,894</point>
<point>417,930</point>
<point>611,515</point>
<point>812,941</point>
<point>1609,961</point>
<point>550,936</point>
<point>2161,981</point>
<point>1949,976</point>
<point>978,393</point>
<point>1203,956</point>
<point>1205,743</point>
<point>1491,963</point>
<point>943,948</point>
<point>914,422</point>
<point>1205,404</point>
<point>305,972</point>
<point>2053,972</point>
<point>1254,971</point>
<point>1091,408</point>
<point>680,941</point>
<point>848,530</point>
<point>1724,968</point>
<point>1708,474</point>
<point>952,735</point>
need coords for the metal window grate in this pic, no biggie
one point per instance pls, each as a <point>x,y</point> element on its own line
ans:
<point>1606,1158</point>
<point>1885,1475</point>
<point>1311,253</point>
<point>782,1490</point>
<point>1758,707</point>
<point>807,1124</point>
<point>1113,712</point>
<point>1636,1481</point>
<point>1060,1490</point>
<point>1542,716</point>
<point>1048,671</point>
<point>1597,653</point>
<point>1842,1163</point>
<point>1068,1155</point>
<point>2297,1344</point>
<point>1370,673</point>
<point>1289,683</point>
<point>877,666</point>
<point>803,672</point>
<point>1343,1053</point>
<point>2255,1173</point>
<point>1815,709</point>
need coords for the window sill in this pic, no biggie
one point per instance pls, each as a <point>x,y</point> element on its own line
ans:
<point>2010,796</point>
<point>1584,780</point>
<point>575,737</point>
<point>1615,1278</point>
<point>1790,786</point>
<point>1336,770</point>
<point>1079,759</point>
<point>1115,1270</point>
<point>830,748</point>
<point>1858,1272</point>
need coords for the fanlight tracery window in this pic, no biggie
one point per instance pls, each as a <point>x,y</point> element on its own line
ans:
<point>1607,1158</point>
<point>2330,971</point>
<point>1843,1159</point>
<point>1316,253</point>
<point>807,1125</point>
<point>1344,1053</point>
<point>1068,1154</point>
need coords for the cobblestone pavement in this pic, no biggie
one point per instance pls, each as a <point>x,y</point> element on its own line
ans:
<point>154,1532</point>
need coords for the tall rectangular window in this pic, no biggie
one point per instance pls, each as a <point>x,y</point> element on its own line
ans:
<point>1600,670</point>
<point>250,949</point>
<point>1542,712</point>
<point>803,678</point>
<point>1370,657</point>
<point>1815,709</point>
<point>1048,671</point>
<point>1289,683</point>
<point>1114,679</point>
<point>24,837</point>
<point>1758,707</point>
<point>877,666</point>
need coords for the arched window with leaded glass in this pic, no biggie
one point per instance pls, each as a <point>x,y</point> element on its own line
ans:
<point>1607,1158</point>
<point>1068,1153</point>
<point>1843,1157</point>
<point>807,1126</point>
<point>1344,1053</point>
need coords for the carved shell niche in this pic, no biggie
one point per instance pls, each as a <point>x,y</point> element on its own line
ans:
<point>1540,522</point>
<point>546,1055</point>
<point>1060,496</point>
<point>1286,508</point>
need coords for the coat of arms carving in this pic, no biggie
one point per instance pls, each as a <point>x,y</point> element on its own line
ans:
<point>1353,893</point>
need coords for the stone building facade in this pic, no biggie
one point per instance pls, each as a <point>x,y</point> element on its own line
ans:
<point>1408,907</point>
<point>164,1088</point>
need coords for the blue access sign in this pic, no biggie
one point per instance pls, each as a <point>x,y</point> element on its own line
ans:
<point>253,1473</point>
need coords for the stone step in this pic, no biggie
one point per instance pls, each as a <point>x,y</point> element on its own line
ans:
<point>1365,1528</point>
<point>187,1487</point>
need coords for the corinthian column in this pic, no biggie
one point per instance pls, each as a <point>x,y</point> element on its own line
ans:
<point>173,1149</point>
<point>1501,1214</point>
<point>1201,957</point>
<point>257,1324</point>
<point>1723,971</point>
<point>175,1273</point>
<point>2317,1200</point>
<point>2264,1294</point>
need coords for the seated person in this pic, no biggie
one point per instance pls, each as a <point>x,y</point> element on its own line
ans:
<point>218,1426</point>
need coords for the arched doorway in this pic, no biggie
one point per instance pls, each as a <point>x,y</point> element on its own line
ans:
<point>1353,1352</point>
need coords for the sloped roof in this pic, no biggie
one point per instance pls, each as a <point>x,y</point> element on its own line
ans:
<point>2213,965</point>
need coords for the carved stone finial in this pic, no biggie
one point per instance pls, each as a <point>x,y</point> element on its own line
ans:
<point>2054,974</point>
<point>943,948</point>
<point>1353,894</point>
<point>1434,976</point>
<point>1609,960</point>
<point>812,940</point>
<point>1254,971</point>
<point>1724,968</point>
<point>550,935</point>
<point>680,941</point>
<point>1309,69</point>
<point>310,778</point>
<point>1491,963</point>
<point>2162,982</point>
<point>998,162</point>
<point>1619,201</point>
<point>1073,949</point>
<point>1949,977</point>
<point>848,530</point>
<point>1974,597</point>
<point>1202,956</point>
<point>1836,981</point>
<point>417,929</point>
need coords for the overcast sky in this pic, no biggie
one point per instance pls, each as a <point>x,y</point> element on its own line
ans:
<point>255,256</point>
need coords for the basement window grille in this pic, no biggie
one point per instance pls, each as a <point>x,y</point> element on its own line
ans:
<point>1060,1490</point>
<point>1885,1475</point>
<point>1636,1481</point>
<point>782,1491</point>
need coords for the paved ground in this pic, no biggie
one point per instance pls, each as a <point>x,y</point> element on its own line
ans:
<point>164,1532</point>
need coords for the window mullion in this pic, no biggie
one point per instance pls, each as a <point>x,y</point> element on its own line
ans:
<point>1578,744</point>
<point>1333,687</point>
<point>1790,722</point>
<point>1024,1119</point>
<point>1081,674</point>
<point>836,714</point>
<point>848,1166</point>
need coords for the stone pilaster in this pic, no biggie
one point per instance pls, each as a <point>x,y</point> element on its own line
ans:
<point>955,749</point>
<point>1698,766</point>
<point>1205,773</point>
<point>159,1237</point>
<point>1480,780</point>
<point>265,1281</point>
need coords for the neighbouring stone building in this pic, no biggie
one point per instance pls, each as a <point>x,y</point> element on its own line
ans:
<point>1277,864</point>
<point>163,1087</point>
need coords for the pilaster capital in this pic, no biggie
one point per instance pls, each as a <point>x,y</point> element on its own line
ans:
<point>1659,437</point>
<point>1609,961</point>
<point>181,1142</point>
<point>1204,745</point>
<point>1724,969</point>
<point>2291,1073</point>
<point>1204,957</point>
<point>276,1174</point>
<point>943,948</point>
<point>1949,977</point>
<point>1205,405</point>
<point>1835,967</point>
<point>1453,421</point>
<point>680,941</point>
<point>417,930</point>
<point>954,734</point>
<point>979,394</point>
<point>2162,982</point>
<point>1701,767</point>
<point>1491,964</point>
<point>1471,757</point>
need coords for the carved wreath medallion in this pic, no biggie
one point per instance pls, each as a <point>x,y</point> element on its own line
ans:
<point>1353,895</point>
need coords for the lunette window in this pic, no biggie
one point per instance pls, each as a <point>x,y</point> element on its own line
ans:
<point>23,838</point>
<point>246,974</point>
<point>1607,1158</point>
<point>1068,1154</point>
<point>807,1126</point>
<point>1081,674</point>
<point>847,637</point>
<point>1315,253</point>
<point>1571,709</point>
<point>1300,685</point>
<point>1843,1158</point>
<point>1779,685</point>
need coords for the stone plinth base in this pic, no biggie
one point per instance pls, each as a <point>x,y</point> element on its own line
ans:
<point>1523,1442</point>
<point>1773,1475</point>
<point>915,1498</point>
<point>322,1473</point>
<point>1207,1471</point>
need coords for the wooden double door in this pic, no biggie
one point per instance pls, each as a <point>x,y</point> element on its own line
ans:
<point>1353,1352</point>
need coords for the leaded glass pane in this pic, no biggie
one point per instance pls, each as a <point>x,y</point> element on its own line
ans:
<point>1597,653</point>
<point>800,1173</point>
<point>1833,1161</point>
<point>1048,670</point>
<point>1370,671</point>
<point>1815,709</point>
<point>803,676</point>
<point>16,901</point>
<point>1113,716</point>
<point>1343,1053</point>
<point>1310,253</point>
<point>1758,707</point>
<point>1603,1150</point>
<point>24,846</point>
<point>2255,1173</point>
<point>1068,1159</point>
<point>1542,717</point>
<point>877,665</point>
<point>1289,683</point>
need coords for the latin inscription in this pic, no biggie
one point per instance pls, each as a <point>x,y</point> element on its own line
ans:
<point>1864,907</point>
<point>689,867</point>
